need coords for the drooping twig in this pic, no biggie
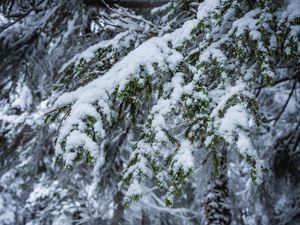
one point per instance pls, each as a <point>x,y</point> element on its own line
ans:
<point>286,102</point>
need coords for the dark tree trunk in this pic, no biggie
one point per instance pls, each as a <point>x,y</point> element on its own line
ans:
<point>217,207</point>
<point>119,209</point>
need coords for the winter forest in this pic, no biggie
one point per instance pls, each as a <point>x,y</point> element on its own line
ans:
<point>149,112</point>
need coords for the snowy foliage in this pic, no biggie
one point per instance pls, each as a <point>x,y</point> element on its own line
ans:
<point>190,105</point>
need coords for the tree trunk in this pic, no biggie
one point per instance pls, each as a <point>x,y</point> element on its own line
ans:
<point>119,209</point>
<point>217,207</point>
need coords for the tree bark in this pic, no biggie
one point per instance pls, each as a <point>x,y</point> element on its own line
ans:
<point>119,210</point>
<point>217,208</point>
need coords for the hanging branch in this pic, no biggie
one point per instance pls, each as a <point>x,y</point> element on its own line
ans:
<point>286,103</point>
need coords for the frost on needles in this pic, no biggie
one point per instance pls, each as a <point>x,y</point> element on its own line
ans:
<point>182,91</point>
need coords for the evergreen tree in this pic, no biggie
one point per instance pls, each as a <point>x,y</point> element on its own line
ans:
<point>200,91</point>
